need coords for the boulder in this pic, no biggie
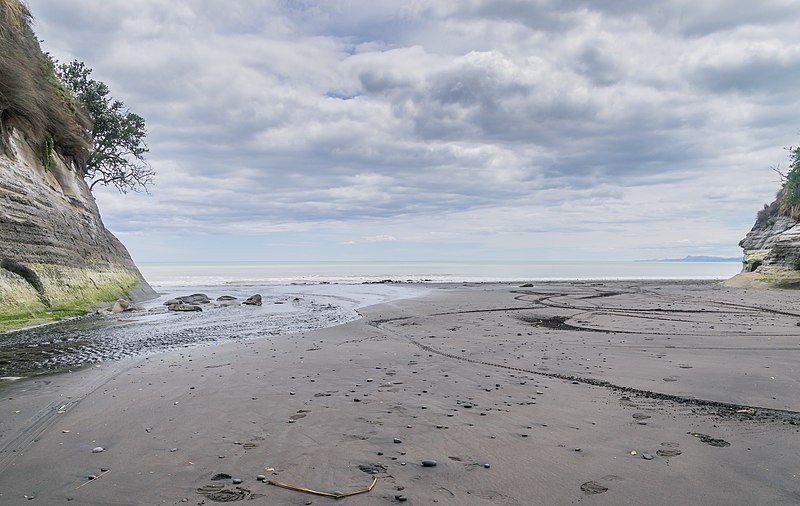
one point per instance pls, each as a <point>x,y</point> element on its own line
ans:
<point>226,297</point>
<point>253,300</point>
<point>184,307</point>
<point>172,302</point>
<point>195,298</point>
<point>121,305</point>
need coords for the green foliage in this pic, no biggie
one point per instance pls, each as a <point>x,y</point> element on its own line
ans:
<point>47,151</point>
<point>31,98</point>
<point>790,195</point>
<point>118,148</point>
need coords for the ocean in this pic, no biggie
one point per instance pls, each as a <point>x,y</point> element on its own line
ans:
<point>168,275</point>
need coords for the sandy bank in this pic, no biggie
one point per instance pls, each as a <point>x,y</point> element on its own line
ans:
<point>552,386</point>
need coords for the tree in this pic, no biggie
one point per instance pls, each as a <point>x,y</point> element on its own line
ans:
<point>118,148</point>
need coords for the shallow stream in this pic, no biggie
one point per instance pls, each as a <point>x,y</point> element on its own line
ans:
<point>152,328</point>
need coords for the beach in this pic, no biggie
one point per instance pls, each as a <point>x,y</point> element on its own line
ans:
<point>541,393</point>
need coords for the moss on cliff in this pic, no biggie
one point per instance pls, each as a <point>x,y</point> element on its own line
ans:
<point>70,291</point>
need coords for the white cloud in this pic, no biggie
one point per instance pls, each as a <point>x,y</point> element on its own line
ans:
<point>460,125</point>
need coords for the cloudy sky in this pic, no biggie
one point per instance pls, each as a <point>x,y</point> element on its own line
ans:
<point>443,129</point>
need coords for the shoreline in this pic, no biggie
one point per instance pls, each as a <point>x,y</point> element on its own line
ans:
<point>465,376</point>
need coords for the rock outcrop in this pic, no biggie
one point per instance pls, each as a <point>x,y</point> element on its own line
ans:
<point>56,257</point>
<point>771,251</point>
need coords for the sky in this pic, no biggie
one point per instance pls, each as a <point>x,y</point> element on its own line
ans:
<point>503,130</point>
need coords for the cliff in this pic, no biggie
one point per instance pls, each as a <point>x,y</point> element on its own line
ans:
<point>771,249</point>
<point>56,257</point>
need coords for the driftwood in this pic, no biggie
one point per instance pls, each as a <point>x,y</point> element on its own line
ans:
<point>324,494</point>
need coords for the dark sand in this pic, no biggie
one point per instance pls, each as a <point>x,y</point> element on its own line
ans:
<point>554,386</point>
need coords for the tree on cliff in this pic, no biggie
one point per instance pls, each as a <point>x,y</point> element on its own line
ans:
<point>117,154</point>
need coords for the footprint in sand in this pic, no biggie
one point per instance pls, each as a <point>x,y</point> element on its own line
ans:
<point>596,487</point>
<point>219,493</point>
<point>669,449</point>
<point>593,487</point>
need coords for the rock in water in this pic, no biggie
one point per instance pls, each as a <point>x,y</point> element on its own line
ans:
<point>195,298</point>
<point>184,307</point>
<point>253,300</point>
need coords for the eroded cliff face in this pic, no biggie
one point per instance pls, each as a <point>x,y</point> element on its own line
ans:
<point>56,257</point>
<point>771,252</point>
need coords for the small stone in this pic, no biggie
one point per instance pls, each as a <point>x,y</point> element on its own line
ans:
<point>237,481</point>
<point>103,469</point>
<point>98,449</point>
<point>429,463</point>
<point>173,450</point>
<point>401,498</point>
<point>647,456</point>
<point>487,466</point>
<point>395,441</point>
<point>576,449</point>
<point>261,477</point>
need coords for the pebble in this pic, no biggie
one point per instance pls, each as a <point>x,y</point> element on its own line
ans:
<point>576,449</point>
<point>647,456</point>
<point>487,466</point>
<point>396,441</point>
<point>401,498</point>
<point>236,481</point>
<point>261,477</point>
<point>98,449</point>
<point>428,463</point>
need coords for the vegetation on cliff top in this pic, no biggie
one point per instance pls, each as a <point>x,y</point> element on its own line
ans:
<point>787,201</point>
<point>31,96</point>
<point>62,110</point>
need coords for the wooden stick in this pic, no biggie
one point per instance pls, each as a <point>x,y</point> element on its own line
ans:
<point>324,494</point>
<point>96,478</point>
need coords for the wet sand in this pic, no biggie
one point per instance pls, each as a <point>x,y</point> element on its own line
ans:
<point>557,393</point>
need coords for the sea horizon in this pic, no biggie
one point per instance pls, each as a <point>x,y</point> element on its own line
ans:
<point>353,272</point>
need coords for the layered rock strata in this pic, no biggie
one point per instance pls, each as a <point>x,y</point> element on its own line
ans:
<point>771,252</point>
<point>56,257</point>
